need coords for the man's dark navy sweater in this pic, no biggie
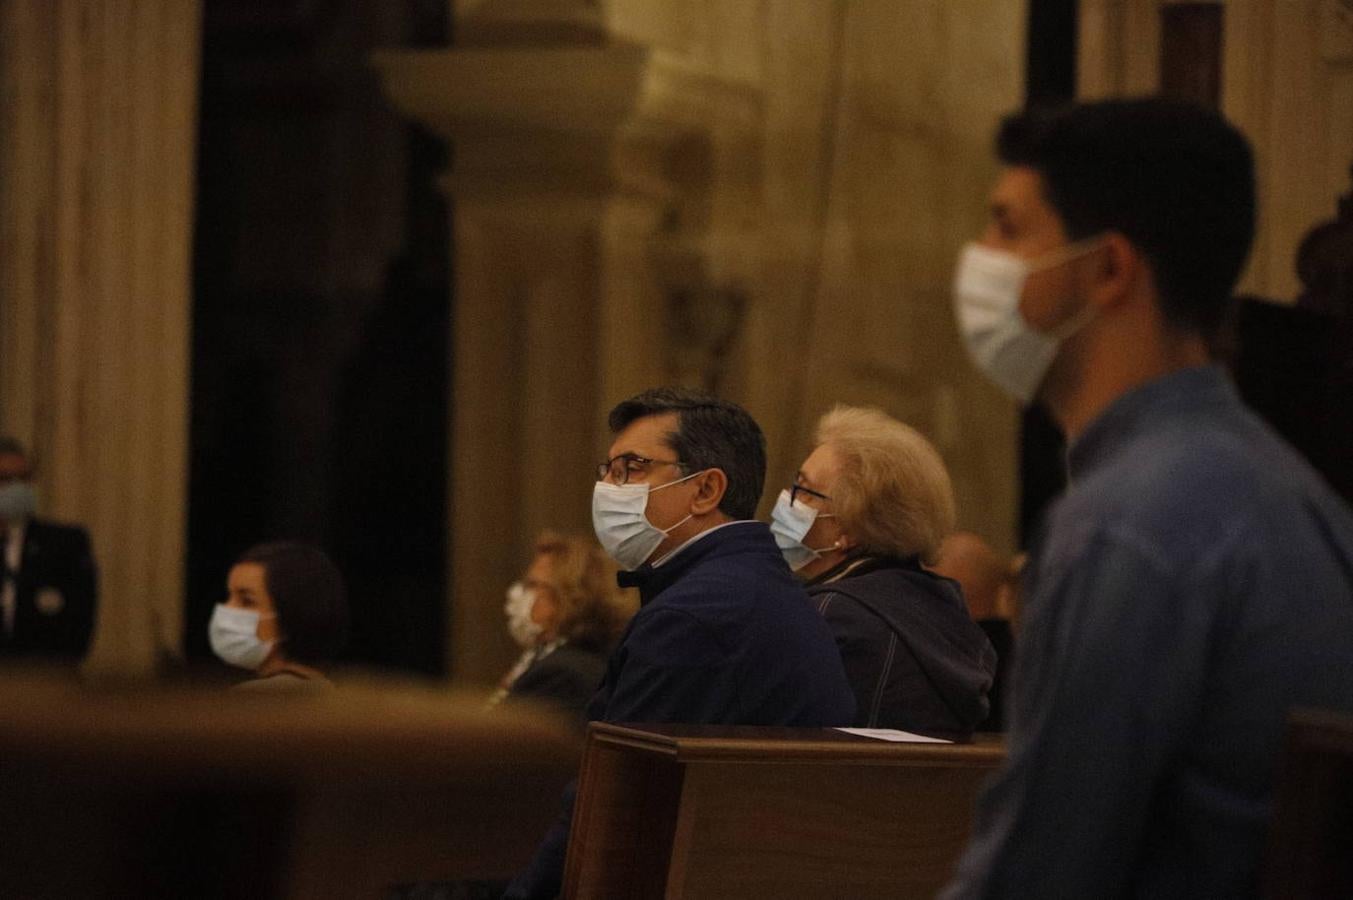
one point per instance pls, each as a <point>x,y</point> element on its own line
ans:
<point>724,635</point>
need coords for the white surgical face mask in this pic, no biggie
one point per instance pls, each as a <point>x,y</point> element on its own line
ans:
<point>621,526</point>
<point>790,524</point>
<point>18,500</point>
<point>520,601</point>
<point>234,636</point>
<point>988,285</point>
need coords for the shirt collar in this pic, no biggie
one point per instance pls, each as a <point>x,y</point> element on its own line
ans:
<point>671,554</point>
<point>651,580</point>
<point>1178,392</point>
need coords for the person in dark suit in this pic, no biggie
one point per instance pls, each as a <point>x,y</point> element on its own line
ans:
<point>565,613</point>
<point>724,635</point>
<point>48,580</point>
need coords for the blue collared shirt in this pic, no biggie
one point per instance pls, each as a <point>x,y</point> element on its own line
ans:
<point>1194,585</point>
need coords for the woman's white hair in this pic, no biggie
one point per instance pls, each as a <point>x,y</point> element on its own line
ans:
<point>892,494</point>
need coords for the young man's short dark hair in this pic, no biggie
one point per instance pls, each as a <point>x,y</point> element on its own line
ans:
<point>309,597</point>
<point>711,434</point>
<point>1174,178</point>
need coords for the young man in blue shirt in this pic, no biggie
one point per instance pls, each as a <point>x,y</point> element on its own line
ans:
<point>1193,585</point>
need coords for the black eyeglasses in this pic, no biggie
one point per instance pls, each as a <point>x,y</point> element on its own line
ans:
<point>796,489</point>
<point>621,468</point>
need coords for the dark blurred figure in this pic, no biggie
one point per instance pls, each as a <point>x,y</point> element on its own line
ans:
<point>990,588</point>
<point>1294,366</point>
<point>1294,363</point>
<point>48,581</point>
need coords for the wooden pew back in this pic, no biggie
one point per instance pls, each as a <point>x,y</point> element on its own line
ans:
<point>214,793</point>
<point>706,812</point>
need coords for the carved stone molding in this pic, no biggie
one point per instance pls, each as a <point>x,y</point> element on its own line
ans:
<point>705,310</point>
<point>565,126</point>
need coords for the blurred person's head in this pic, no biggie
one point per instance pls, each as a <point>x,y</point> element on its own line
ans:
<point>988,580</point>
<point>1117,232</point>
<point>681,462</point>
<point>568,592</point>
<point>286,603</point>
<point>872,486</point>
<point>18,499</point>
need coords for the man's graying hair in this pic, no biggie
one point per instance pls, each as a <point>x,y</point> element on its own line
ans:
<point>711,434</point>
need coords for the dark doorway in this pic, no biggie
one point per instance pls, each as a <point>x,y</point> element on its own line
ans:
<point>1050,80</point>
<point>321,317</point>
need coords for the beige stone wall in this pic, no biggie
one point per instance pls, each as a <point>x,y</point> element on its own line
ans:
<point>96,172</point>
<point>857,308</point>
<point>1287,82</point>
<point>761,197</point>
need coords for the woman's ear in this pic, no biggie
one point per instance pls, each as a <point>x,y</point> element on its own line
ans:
<point>710,488</point>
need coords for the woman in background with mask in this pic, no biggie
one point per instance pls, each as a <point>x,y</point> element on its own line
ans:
<point>565,613</point>
<point>285,616</point>
<point>868,509</point>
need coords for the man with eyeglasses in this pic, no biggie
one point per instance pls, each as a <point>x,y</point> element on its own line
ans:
<point>724,633</point>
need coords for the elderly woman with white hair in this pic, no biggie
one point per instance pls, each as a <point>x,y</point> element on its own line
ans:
<point>867,511</point>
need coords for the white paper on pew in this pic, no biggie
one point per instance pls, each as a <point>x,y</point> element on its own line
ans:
<point>892,734</point>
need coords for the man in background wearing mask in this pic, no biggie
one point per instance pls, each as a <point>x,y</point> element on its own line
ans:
<point>48,589</point>
<point>724,634</point>
<point>1193,584</point>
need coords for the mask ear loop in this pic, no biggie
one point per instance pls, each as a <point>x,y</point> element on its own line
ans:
<point>670,528</point>
<point>1066,254</point>
<point>836,544</point>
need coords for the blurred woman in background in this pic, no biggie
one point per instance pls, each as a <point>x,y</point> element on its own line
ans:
<point>285,616</point>
<point>868,509</point>
<point>565,613</point>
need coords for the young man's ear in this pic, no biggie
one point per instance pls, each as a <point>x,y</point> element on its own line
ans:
<point>1115,268</point>
<point>710,488</point>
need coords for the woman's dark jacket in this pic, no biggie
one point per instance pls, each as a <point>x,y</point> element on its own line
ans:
<point>565,678</point>
<point>915,659</point>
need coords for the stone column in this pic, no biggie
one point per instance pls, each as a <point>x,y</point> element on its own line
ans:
<point>568,155</point>
<point>97,145</point>
<point>1118,48</point>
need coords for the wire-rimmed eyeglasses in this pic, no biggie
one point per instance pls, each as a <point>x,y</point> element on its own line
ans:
<point>621,468</point>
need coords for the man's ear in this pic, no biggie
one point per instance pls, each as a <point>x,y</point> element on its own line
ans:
<point>1115,269</point>
<point>710,488</point>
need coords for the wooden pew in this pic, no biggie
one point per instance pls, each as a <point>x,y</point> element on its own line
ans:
<point>1310,843</point>
<point>716,812</point>
<point>221,794</point>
